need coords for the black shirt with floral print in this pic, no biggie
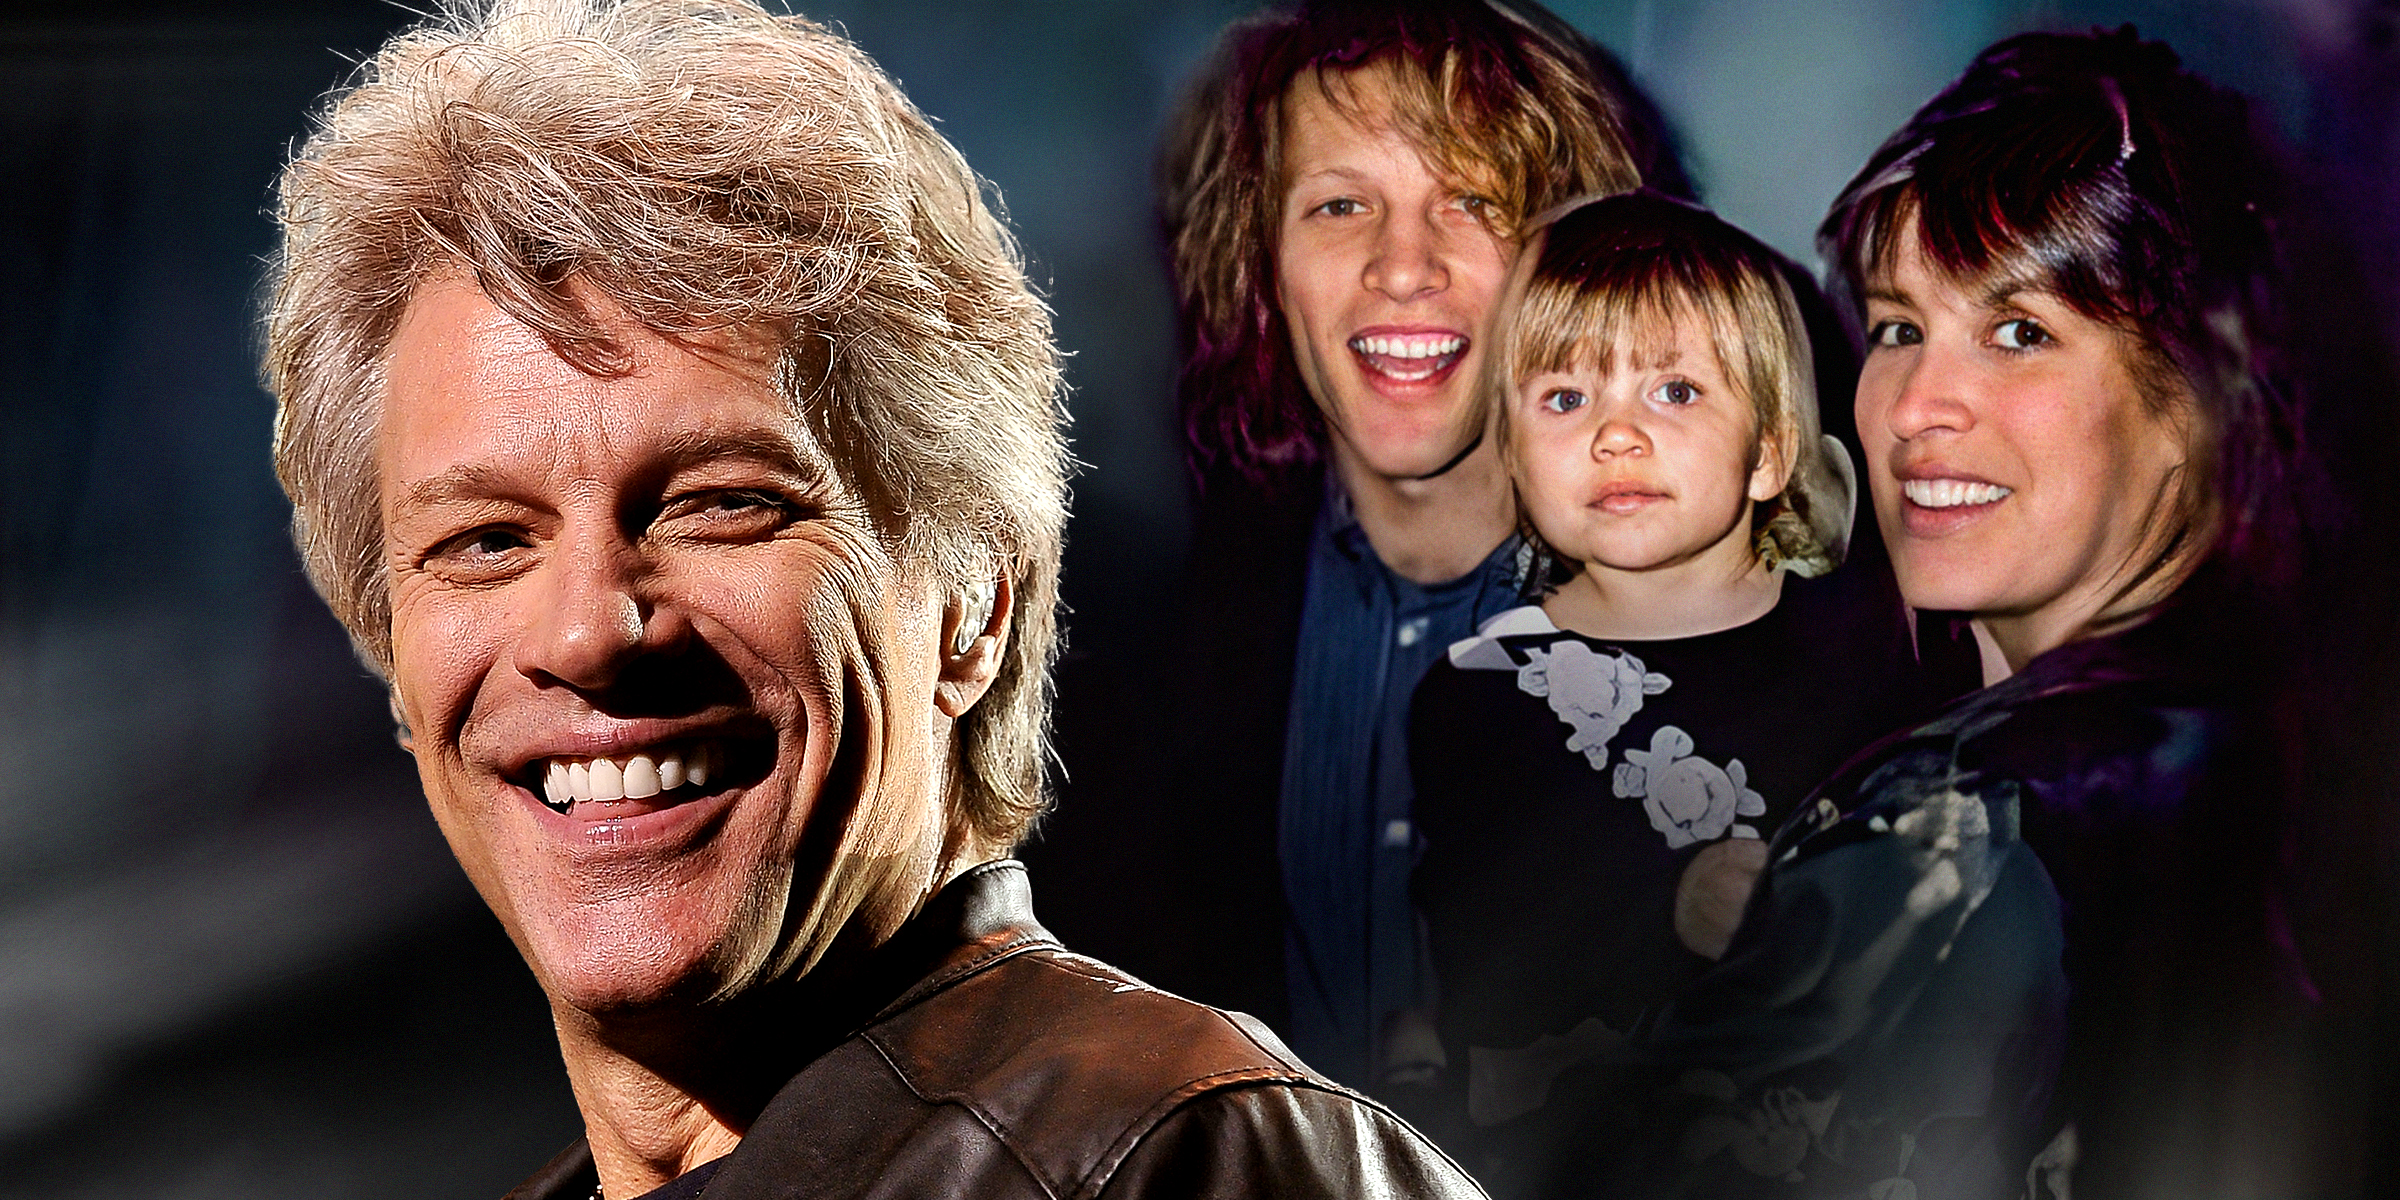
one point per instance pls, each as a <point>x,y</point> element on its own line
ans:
<point>1564,784</point>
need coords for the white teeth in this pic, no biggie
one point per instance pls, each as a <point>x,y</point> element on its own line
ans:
<point>1417,346</point>
<point>1950,493</point>
<point>608,780</point>
<point>641,777</point>
<point>636,777</point>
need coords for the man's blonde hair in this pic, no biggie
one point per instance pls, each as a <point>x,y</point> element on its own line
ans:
<point>705,165</point>
<point>1503,101</point>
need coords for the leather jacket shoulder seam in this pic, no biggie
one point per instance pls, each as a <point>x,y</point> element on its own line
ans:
<point>947,976</point>
<point>999,1132</point>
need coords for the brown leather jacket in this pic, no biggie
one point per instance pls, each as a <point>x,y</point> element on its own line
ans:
<point>1013,1068</point>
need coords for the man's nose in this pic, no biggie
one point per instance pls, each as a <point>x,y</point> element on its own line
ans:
<point>590,617</point>
<point>1410,259</point>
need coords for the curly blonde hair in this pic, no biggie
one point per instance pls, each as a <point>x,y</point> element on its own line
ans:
<point>1598,274</point>
<point>1505,101</point>
<point>703,165</point>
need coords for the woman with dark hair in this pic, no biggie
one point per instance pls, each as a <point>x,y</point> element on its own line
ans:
<point>2038,938</point>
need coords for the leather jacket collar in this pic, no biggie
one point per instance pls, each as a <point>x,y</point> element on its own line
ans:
<point>977,920</point>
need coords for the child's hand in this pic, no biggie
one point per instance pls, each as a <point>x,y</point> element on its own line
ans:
<point>1715,886</point>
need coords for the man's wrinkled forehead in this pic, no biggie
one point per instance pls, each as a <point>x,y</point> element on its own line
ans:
<point>593,329</point>
<point>459,364</point>
<point>607,339</point>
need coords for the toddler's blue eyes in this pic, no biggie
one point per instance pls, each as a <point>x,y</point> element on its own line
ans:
<point>1675,391</point>
<point>1564,400</point>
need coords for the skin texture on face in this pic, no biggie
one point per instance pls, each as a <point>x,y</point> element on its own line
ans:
<point>1645,473</point>
<point>1386,276</point>
<point>2013,461</point>
<point>660,565</point>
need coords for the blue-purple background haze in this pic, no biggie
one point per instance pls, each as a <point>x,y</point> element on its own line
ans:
<point>236,959</point>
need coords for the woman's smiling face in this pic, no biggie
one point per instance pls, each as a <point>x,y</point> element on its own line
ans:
<point>2018,472</point>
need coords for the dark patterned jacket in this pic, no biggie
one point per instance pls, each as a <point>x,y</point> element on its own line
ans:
<point>2037,939</point>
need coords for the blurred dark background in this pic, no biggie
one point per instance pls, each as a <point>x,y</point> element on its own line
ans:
<point>236,959</point>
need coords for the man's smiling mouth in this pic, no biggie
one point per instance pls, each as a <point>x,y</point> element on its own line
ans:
<point>1410,358</point>
<point>665,776</point>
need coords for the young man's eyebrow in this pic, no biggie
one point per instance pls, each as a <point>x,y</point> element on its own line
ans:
<point>1348,174</point>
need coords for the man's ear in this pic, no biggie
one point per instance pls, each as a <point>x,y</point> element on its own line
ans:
<point>974,636</point>
<point>400,730</point>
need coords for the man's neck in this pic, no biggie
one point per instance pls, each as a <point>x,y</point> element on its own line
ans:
<point>664,1091</point>
<point>1430,531</point>
<point>651,1113</point>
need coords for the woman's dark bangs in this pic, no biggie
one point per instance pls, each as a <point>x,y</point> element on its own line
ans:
<point>2045,211</point>
<point>1865,238</point>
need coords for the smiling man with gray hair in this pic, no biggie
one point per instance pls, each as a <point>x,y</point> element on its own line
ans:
<point>667,416</point>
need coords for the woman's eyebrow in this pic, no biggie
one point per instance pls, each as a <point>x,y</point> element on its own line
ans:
<point>2003,292</point>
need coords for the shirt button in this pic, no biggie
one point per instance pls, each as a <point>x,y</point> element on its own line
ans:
<point>1413,631</point>
<point>1395,833</point>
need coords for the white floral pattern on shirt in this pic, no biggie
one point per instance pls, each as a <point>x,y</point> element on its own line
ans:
<point>1593,692</point>
<point>1689,799</point>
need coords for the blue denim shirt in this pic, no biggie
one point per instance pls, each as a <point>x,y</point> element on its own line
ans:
<point>1347,843</point>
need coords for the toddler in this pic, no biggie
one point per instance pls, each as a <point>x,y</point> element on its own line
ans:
<point>1596,772</point>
